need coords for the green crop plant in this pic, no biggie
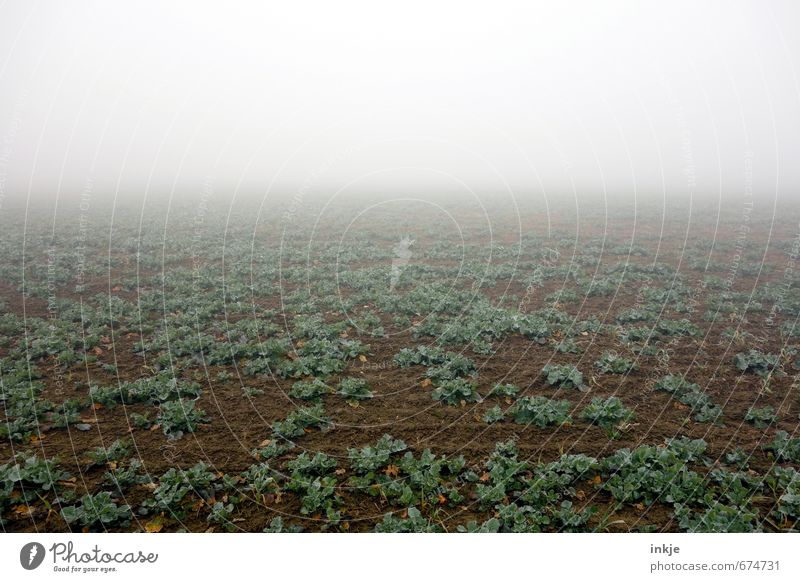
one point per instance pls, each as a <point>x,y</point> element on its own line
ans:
<point>299,420</point>
<point>504,391</point>
<point>99,510</point>
<point>116,451</point>
<point>411,522</point>
<point>563,376</point>
<point>368,460</point>
<point>175,486</point>
<point>612,363</point>
<point>756,362</point>
<point>494,414</point>
<point>354,389</point>
<point>455,391</point>
<point>761,417</point>
<point>784,447</point>
<point>222,514</point>
<point>540,411</point>
<point>177,417</point>
<point>310,390</point>
<point>610,414</point>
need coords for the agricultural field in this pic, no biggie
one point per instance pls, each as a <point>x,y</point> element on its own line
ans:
<point>399,367</point>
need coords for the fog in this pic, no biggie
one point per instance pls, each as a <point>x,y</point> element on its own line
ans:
<point>619,99</point>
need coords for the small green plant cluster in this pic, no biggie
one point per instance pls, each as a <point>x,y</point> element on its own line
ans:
<point>564,376</point>
<point>150,390</point>
<point>320,355</point>
<point>409,521</point>
<point>718,518</point>
<point>784,447</point>
<point>721,503</point>
<point>354,389</point>
<point>370,459</point>
<point>448,371</point>
<point>100,510</point>
<point>612,363</point>
<point>116,451</point>
<point>756,362</point>
<point>493,415</point>
<point>789,502</point>
<point>272,448</point>
<point>277,526</point>
<point>533,499</point>
<point>504,391</point>
<point>453,366</point>
<point>177,487</point>
<point>419,356</point>
<point>405,480</point>
<point>177,417</point>
<point>310,389</point>
<point>649,474</point>
<point>456,391</point>
<point>123,477</point>
<point>689,393</point>
<point>262,480</point>
<point>610,414</point>
<point>221,513</point>
<point>29,479</point>
<point>761,417</point>
<point>568,346</point>
<point>20,396</point>
<point>541,412</point>
<point>311,478</point>
<point>299,420</point>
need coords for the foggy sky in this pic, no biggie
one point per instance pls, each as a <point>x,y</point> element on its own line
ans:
<point>658,98</point>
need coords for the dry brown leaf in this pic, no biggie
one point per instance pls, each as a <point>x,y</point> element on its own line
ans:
<point>362,358</point>
<point>426,382</point>
<point>155,525</point>
<point>392,471</point>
